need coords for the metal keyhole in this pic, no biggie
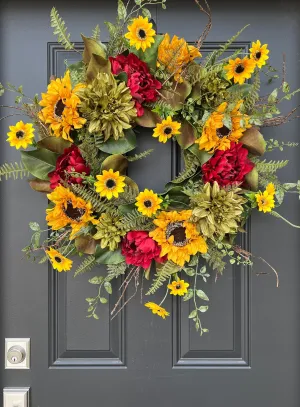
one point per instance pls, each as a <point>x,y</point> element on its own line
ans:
<point>16,354</point>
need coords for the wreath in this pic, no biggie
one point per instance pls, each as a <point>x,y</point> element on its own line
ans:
<point>79,141</point>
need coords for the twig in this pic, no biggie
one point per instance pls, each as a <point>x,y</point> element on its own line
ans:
<point>208,25</point>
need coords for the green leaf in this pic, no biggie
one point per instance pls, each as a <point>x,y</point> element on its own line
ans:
<point>34,226</point>
<point>105,256</point>
<point>97,64</point>
<point>202,155</point>
<point>254,141</point>
<point>92,47</point>
<point>189,271</point>
<point>146,13</point>
<point>95,316</point>
<point>178,94</point>
<point>243,89</point>
<point>203,308</point>
<point>193,314</point>
<point>108,287</point>
<point>122,13</point>
<point>149,56</point>
<point>2,90</point>
<point>149,119</point>
<point>285,87</point>
<point>188,295</point>
<point>96,280</point>
<point>116,162</point>
<point>120,146</point>
<point>273,96</point>
<point>54,144</point>
<point>103,300</point>
<point>39,162</point>
<point>201,294</point>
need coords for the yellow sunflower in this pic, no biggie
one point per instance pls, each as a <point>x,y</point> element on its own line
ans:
<point>166,129</point>
<point>175,54</point>
<point>240,69</point>
<point>178,287</point>
<point>259,53</point>
<point>21,135</point>
<point>110,184</point>
<point>177,236</point>
<point>148,202</point>
<point>60,107</point>
<point>265,201</point>
<point>158,310</point>
<point>68,210</point>
<point>217,136</point>
<point>141,33</point>
<point>58,261</point>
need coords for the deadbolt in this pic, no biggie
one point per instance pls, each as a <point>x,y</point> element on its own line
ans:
<point>16,354</point>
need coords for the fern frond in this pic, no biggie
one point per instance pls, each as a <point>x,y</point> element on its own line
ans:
<point>216,54</point>
<point>253,95</point>
<point>265,166</point>
<point>98,204</point>
<point>127,197</point>
<point>135,221</point>
<point>139,156</point>
<point>88,263</point>
<point>60,29</point>
<point>191,167</point>
<point>99,140</point>
<point>13,170</point>
<point>115,271</point>
<point>96,33</point>
<point>162,275</point>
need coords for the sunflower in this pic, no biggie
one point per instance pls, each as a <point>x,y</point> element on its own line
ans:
<point>140,33</point>
<point>166,129</point>
<point>177,236</point>
<point>58,261</point>
<point>178,287</point>
<point>157,309</point>
<point>60,107</point>
<point>68,210</point>
<point>20,135</point>
<point>240,69</point>
<point>175,54</point>
<point>216,135</point>
<point>259,53</point>
<point>148,202</point>
<point>265,201</point>
<point>110,184</point>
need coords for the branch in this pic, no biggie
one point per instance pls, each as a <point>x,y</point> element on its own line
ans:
<point>208,25</point>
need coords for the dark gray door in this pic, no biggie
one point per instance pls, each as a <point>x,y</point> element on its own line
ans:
<point>251,356</point>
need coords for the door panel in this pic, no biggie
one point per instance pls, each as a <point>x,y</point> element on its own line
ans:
<point>251,355</point>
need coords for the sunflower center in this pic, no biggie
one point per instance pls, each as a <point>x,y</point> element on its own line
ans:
<point>178,286</point>
<point>59,108</point>
<point>177,230</point>
<point>20,134</point>
<point>258,55</point>
<point>223,132</point>
<point>167,130</point>
<point>110,183</point>
<point>57,259</point>
<point>239,69</point>
<point>148,203</point>
<point>74,213</point>
<point>142,34</point>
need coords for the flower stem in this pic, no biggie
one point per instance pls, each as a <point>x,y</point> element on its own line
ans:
<point>277,215</point>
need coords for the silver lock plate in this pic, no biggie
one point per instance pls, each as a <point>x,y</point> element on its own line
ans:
<point>16,397</point>
<point>17,353</point>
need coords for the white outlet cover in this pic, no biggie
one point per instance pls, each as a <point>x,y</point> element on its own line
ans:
<point>16,397</point>
<point>24,343</point>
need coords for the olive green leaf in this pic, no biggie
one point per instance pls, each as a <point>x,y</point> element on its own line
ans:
<point>201,155</point>
<point>149,119</point>
<point>251,180</point>
<point>92,46</point>
<point>39,162</point>
<point>149,56</point>
<point>85,244</point>
<point>177,95</point>
<point>105,256</point>
<point>116,162</point>
<point>97,64</point>
<point>54,144</point>
<point>40,185</point>
<point>187,135</point>
<point>254,141</point>
<point>120,146</point>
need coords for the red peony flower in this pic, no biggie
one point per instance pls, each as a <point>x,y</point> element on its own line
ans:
<point>70,161</point>
<point>141,83</point>
<point>139,249</point>
<point>228,167</point>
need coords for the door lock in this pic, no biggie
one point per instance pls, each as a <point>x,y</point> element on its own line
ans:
<point>17,353</point>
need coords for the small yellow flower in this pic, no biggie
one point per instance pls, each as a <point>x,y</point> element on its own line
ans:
<point>178,287</point>
<point>259,53</point>
<point>270,189</point>
<point>58,261</point>
<point>156,309</point>
<point>166,129</point>
<point>21,135</point>
<point>240,69</point>
<point>110,184</point>
<point>265,201</point>
<point>141,33</point>
<point>148,202</point>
